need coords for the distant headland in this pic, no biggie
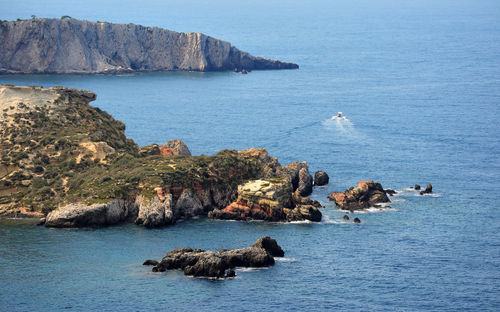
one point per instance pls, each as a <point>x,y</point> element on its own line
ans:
<point>70,46</point>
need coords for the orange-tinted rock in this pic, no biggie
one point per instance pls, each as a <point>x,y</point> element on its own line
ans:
<point>367,194</point>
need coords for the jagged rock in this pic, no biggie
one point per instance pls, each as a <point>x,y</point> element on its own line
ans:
<point>367,194</point>
<point>270,245</point>
<point>293,170</point>
<point>269,200</point>
<point>303,212</point>
<point>305,182</point>
<point>321,178</point>
<point>41,221</point>
<point>417,187</point>
<point>188,205</point>
<point>390,192</point>
<point>230,273</point>
<point>299,200</point>
<point>428,189</point>
<point>155,212</point>
<point>62,46</point>
<point>356,220</point>
<point>175,148</point>
<point>150,262</point>
<point>346,218</point>
<point>198,262</point>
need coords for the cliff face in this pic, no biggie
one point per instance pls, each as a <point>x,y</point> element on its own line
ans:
<point>74,46</point>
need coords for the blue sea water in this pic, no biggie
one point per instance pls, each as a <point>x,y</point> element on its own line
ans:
<point>420,84</point>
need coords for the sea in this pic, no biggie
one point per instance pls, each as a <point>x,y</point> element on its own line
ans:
<point>419,85</point>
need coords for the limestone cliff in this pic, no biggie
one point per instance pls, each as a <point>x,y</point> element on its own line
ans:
<point>72,46</point>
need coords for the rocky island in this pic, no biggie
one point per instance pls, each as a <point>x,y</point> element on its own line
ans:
<point>70,46</point>
<point>219,264</point>
<point>71,162</point>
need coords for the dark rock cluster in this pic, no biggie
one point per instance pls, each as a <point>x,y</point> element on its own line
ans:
<point>219,264</point>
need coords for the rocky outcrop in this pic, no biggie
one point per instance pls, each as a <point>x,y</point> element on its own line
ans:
<point>220,264</point>
<point>269,200</point>
<point>428,189</point>
<point>62,46</point>
<point>155,212</point>
<point>175,148</point>
<point>81,215</point>
<point>365,195</point>
<point>321,178</point>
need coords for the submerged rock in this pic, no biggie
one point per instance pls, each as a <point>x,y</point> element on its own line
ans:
<point>220,264</point>
<point>321,178</point>
<point>367,194</point>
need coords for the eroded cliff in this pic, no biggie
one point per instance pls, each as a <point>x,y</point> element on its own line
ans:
<point>74,46</point>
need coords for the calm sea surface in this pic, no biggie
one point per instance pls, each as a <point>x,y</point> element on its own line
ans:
<point>420,84</point>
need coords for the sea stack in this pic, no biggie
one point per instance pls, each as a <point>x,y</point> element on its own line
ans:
<point>70,46</point>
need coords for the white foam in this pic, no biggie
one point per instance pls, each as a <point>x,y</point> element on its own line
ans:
<point>242,269</point>
<point>283,259</point>
<point>372,210</point>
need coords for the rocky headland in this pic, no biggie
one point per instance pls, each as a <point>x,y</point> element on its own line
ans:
<point>70,46</point>
<point>62,159</point>
<point>219,264</point>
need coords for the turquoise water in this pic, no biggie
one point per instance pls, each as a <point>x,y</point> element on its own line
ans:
<point>420,84</point>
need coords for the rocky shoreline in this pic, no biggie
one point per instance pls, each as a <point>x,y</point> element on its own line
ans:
<point>71,162</point>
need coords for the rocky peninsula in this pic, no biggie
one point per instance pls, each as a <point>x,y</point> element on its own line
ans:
<point>70,46</point>
<point>70,162</point>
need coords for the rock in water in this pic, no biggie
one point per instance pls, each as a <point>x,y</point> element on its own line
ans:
<point>356,220</point>
<point>150,262</point>
<point>220,264</point>
<point>346,218</point>
<point>417,187</point>
<point>367,194</point>
<point>321,178</point>
<point>62,46</point>
<point>428,189</point>
<point>390,192</point>
<point>305,182</point>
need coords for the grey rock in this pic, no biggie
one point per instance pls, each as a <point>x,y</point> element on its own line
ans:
<point>77,215</point>
<point>62,46</point>
<point>155,212</point>
<point>188,205</point>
